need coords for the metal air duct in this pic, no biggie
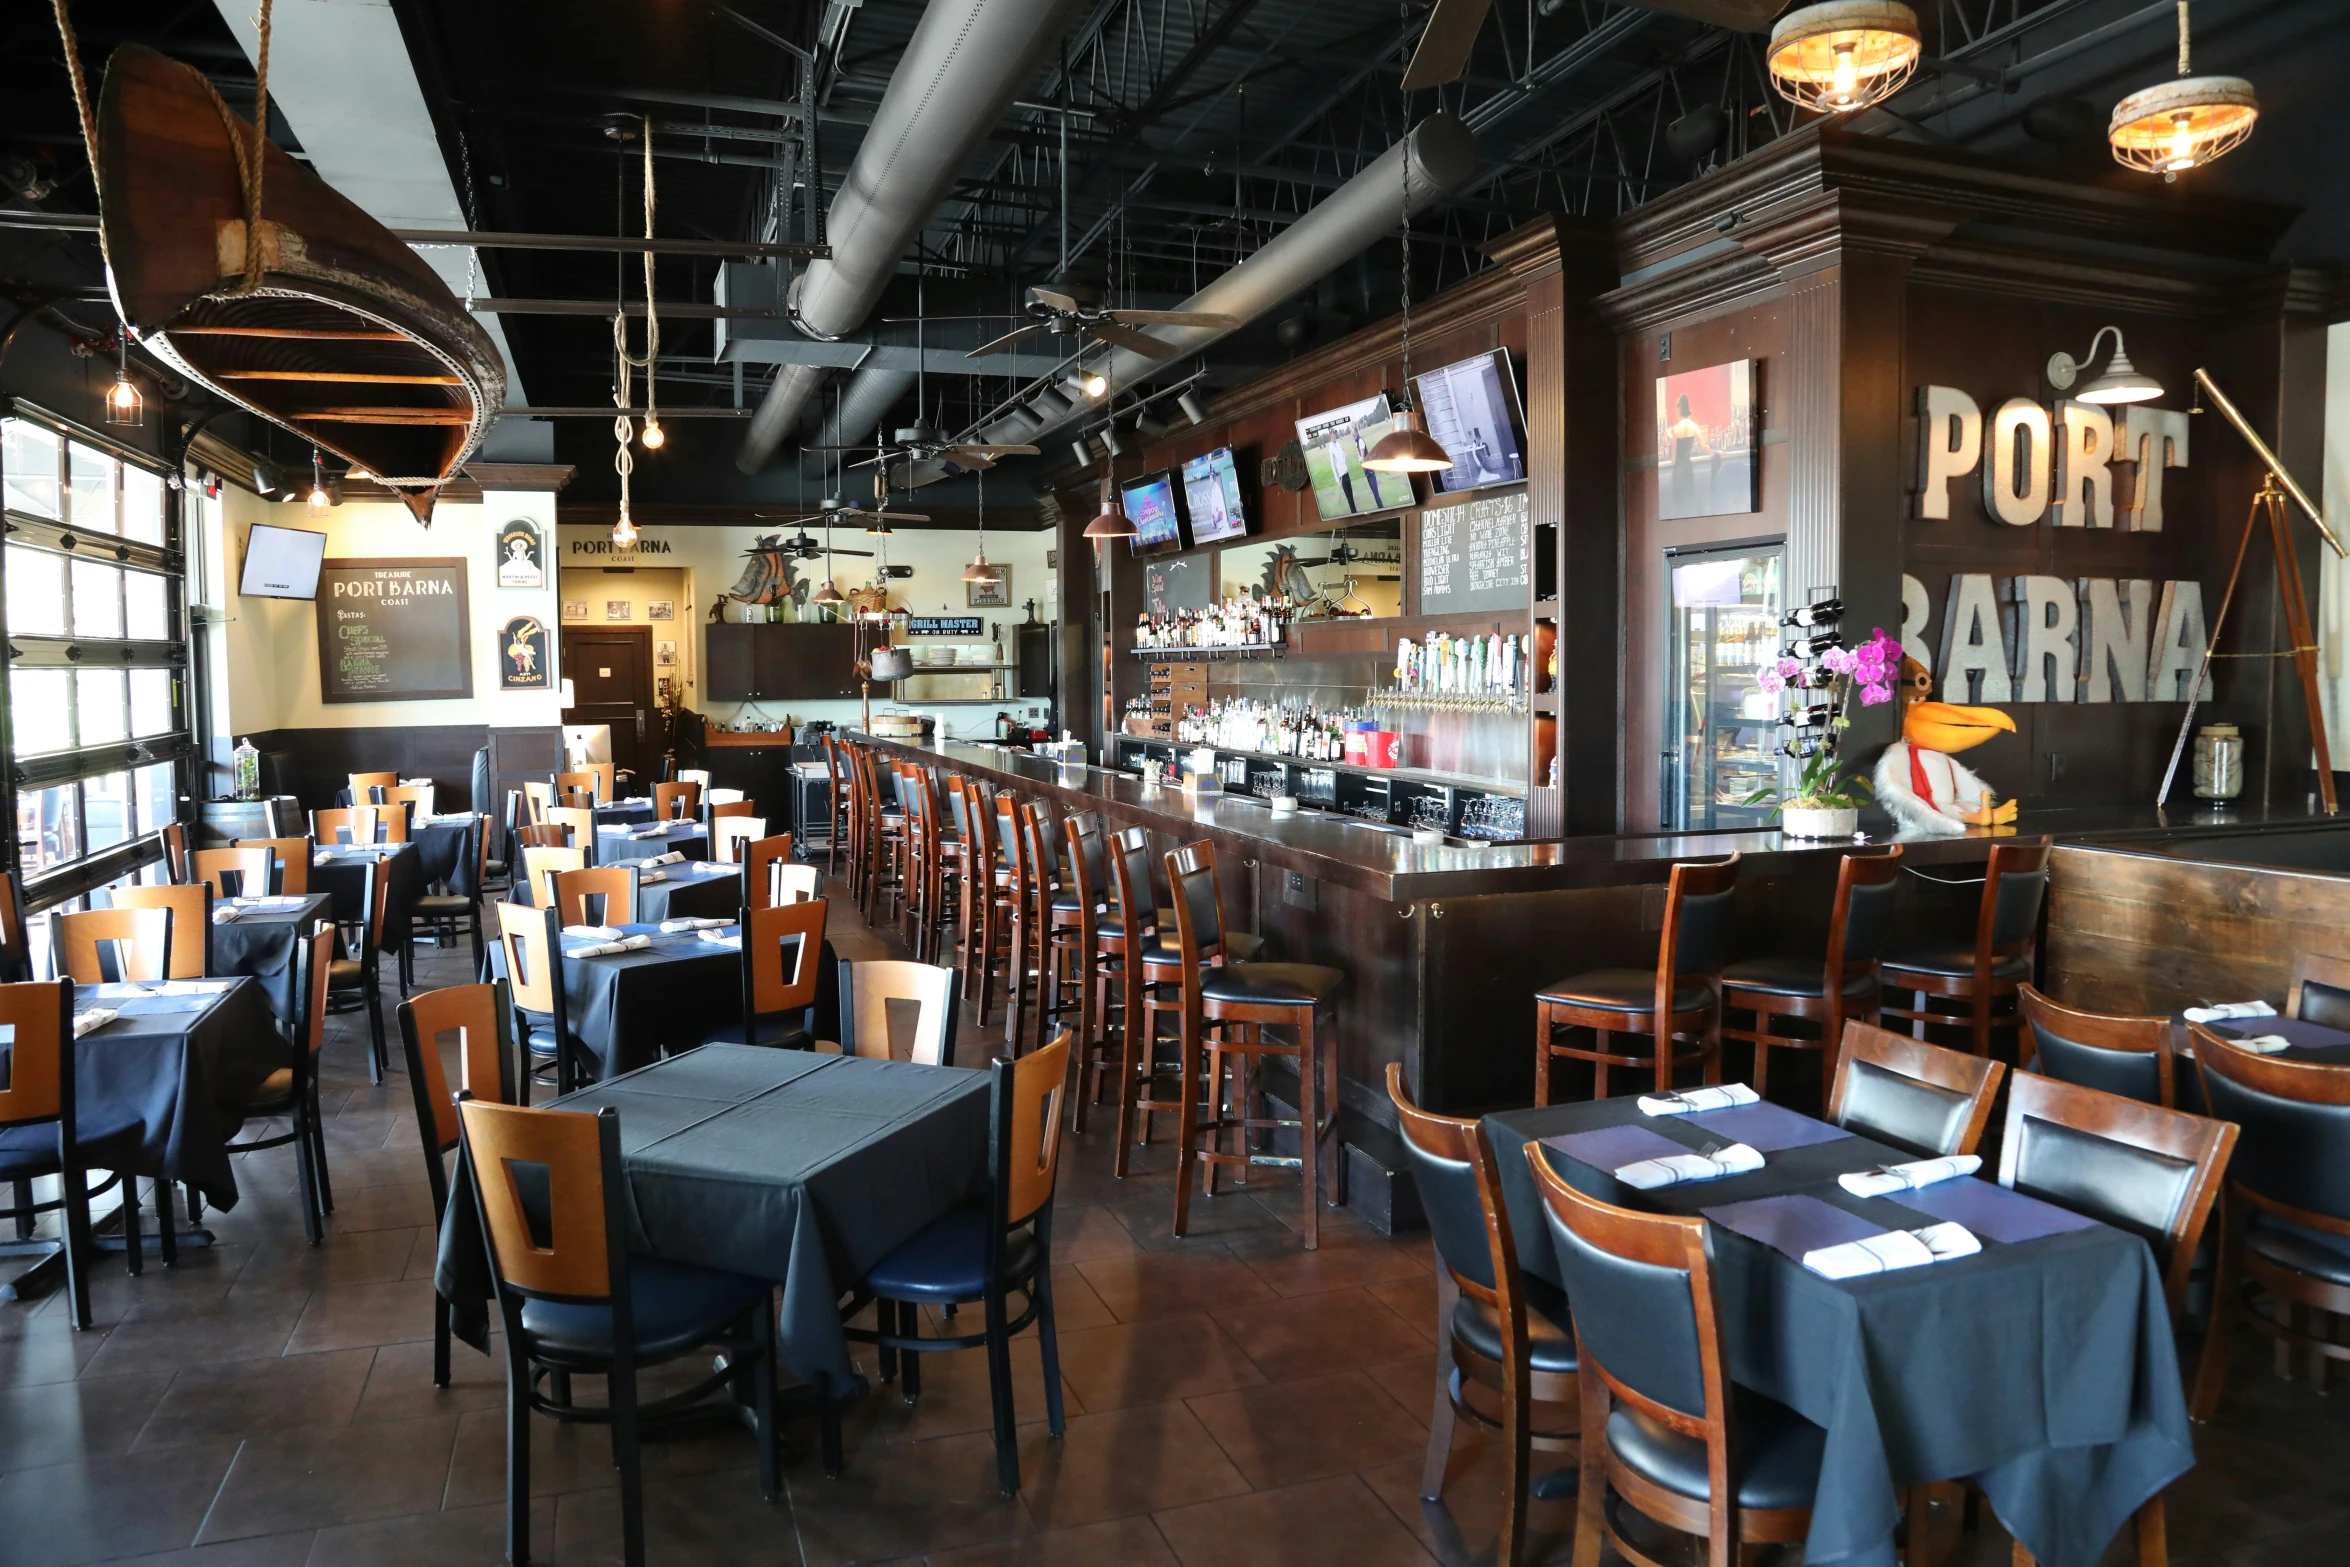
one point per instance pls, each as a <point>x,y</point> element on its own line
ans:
<point>864,402</point>
<point>955,78</point>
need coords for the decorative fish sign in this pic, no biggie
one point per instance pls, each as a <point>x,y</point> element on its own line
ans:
<point>767,576</point>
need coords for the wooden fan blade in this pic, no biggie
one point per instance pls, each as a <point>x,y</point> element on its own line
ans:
<point>1445,43</point>
<point>992,315</point>
<point>988,452</point>
<point>1174,318</point>
<point>1005,341</point>
<point>1740,16</point>
<point>868,554</point>
<point>1053,297</point>
<point>1134,342</point>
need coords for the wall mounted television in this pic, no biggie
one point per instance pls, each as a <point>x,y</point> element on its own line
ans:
<point>1150,502</point>
<point>1472,409</point>
<point>1211,493</point>
<point>281,563</point>
<point>1335,442</point>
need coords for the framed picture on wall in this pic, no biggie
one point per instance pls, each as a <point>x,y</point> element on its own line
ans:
<point>617,609</point>
<point>664,653</point>
<point>660,609</point>
<point>994,593</point>
<point>522,555</point>
<point>522,656</point>
<point>1705,443</point>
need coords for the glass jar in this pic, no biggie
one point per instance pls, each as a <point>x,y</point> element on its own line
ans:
<point>2219,762</point>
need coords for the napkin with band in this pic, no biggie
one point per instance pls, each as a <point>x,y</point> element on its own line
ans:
<point>717,939</point>
<point>2227,1010</point>
<point>696,923</point>
<point>1696,1101</point>
<point>1893,1250</point>
<point>599,932</point>
<point>95,1018</point>
<point>605,949</point>
<point>2262,1044</point>
<point>1675,1169</point>
<point>1908,1177</point>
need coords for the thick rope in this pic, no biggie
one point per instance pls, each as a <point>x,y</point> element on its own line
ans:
<point>81,87</point>
<point>623,431</point>
<point>2182,37</point>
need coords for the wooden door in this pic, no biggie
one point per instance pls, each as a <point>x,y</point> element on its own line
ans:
<point>611,673</point>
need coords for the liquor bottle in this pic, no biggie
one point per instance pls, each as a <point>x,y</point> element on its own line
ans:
<point>1813,647</point>
<point>1820,614</point>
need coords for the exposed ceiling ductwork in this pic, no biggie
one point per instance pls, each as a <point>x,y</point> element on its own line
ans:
<point>1441,158</point>
<point>957,76</point>
<point>864,402</point>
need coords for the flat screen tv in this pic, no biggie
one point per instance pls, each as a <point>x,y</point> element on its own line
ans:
<point>1211,493</point>
<point>1150,502</point>
<point>1335,443</point>
<point>1472,409</point>
<point>282,563</point>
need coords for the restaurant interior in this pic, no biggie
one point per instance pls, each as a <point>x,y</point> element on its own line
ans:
<point>1193,782</point>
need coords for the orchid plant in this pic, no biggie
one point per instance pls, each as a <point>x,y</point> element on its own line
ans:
<point>1868,672</point>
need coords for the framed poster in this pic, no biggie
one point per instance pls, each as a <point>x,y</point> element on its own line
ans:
<point>1335,443</point>
<point>660,609</point>
<point>522,655</point>
<point>575,609</point>
<point>393,631</point>
<point>994,593</point>
<point>1705,463</point>
<point>618,610</point>
<point>665,653</point>
<point>522,554</point>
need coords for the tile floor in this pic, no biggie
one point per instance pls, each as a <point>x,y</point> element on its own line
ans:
<point>1233,1402</point>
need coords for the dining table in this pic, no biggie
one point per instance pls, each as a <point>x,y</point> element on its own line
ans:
<point>616,843</point>
<point>2042,1367</point>
<point>2313,1043</point>
<point>787,1165</point>
<point>340,870</point>
<point>261,941</point>
<point>628,811</point>
<point>677,890</point>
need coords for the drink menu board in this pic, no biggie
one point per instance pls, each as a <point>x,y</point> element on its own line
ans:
<point>1175,583</point>
<point>1473,556</point>
<point>393,631</point>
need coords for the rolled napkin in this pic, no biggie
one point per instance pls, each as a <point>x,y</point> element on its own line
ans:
<point>600,932</point>
<point>225,912</point>
<point>671,926</point>
<point>606,949</point>
<point>1694,1101</point>
<point>718,940</point>
<point>1893,1249</point>
<point>673,857</point>
<point>2228,1009</point>
<point>1908,1177</point>
<point>650,878</point>
<point>96,1017</point>
<point>650,829</point>
<point>2263,1044</point>
<point>1673,1169</point>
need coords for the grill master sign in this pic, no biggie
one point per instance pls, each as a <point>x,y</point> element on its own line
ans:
<point>393,631</point>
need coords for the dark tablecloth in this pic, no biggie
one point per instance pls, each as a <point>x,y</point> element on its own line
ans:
<point>161,1092</point>
<point>698,888</point>
<point>2312,1042</point>
<point>690,839</point>
<point>343,875</point>
<point>781,1164</point>
<point>260,944</point>
<point>625,813</point>
<point>2043,1370</point>
<point>448,855</point>
<point>631,1008</point>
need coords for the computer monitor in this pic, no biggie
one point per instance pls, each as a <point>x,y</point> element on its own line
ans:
<point>1472,409</point>
<point>281,563</point>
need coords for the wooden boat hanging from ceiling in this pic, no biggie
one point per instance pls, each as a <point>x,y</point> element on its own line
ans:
<point>350,340</point>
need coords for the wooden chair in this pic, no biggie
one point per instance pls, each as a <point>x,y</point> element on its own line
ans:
<point>1073,960</point>
<point>249,864</point>
<point>1825,994</point>
<point>615,885</point>
<point>574,1301</point>
<point>1024,956</point>
<point>1931,1101</point>
<point>190,910</point>
<point>498,844</point>
<point>1496,1329</point>
<point>2153,1171</point>
<point>720,809</point>
<point>2321,990</point>
<point>1738,1472</point>
<point>761,858</point>
<point>995,1252</point>
<point>354,982</point>
<point>38,1092</point>
<point>357,824</point>
<point>1237,1001</point>
<point>533,948</point>
<point>607,780</point>
<point>794,884</point>
<point>581,824</point>
<point>983,913</point>
<point>543,835</point>
<point>536,799</point>
<point>1149,1068</point>
<point>364,785</point>
<point>16,947</point>
<point>2284,1243</point>
<point>837,790</point>
<point>1680,998</point>
<point>729,835</point>
<point>1991,967</point>
<point>866,990</point>
<point>174,837</point>
<point>782,967</point>
<point>677,801</point>
<point>445,913</point>
<point>917,913</point>
<point>411,803</point>
<point>575,800</point>
<point>584,782</point>
<point>477,1015</point>
<point>291,1092</point>
<point>541,866</point>
<point>134,943</point>
<point>290,862</point>
<point>698,775</point>
<point>2130,1056</point>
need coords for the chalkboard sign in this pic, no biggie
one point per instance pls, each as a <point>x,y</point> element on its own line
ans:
<point>944,626</point>
<point>1177,582</point>
<point>393,631</point>
<point>1473,556</point>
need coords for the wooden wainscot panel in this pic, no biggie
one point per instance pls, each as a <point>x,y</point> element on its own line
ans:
<point>2151,933</point>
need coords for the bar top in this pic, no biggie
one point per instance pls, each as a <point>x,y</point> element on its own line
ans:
<point>1391,866</point>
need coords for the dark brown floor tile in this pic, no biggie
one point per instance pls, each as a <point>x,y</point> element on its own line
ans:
<point>171,1334</point>
<point>1312,1334</point>
<point>1141,1287</point>
<point>1411,1382</point>
<point>2305,1544</point>
<point>568,1457</point>
<point>1122,1463</point>
<point>709,1520</point>
<point>1461,1529</point>
<point>1343,1261</point>
<point>313,1477</point>
<point>1119,1542</point>
<point>399,1386</point>
<point>903,1499</point>
<point>1329,1523</point>
<point>954,1398</point>
<point>1287,1432</point>
<point>96,1417</point>
<point>1075,1305</point>
<point>1413,1300</point>
<point>47,1351</point>
<point>245,1397</point>
<point>343,1257</point>
<point>394,1164</point>
<point>94,1509</point>
<point>1151,1220</point>
<point>381,1208</point>
<point>461,1538</point>
<point>1083,1234</point>
<point>1153,1362</point>
<point>353,1315</point>
<point>274,1550</point>
<point>204,1273</point>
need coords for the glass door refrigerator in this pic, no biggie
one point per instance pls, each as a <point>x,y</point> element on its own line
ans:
<point>1721,728</point>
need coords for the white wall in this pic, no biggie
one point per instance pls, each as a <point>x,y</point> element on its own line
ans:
<point>640,588</point>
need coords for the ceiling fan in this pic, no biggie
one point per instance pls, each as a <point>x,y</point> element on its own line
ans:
<point>924,442</point>
<point>1073,311</point>
<point>1443,54</point>
<point>800,546</point>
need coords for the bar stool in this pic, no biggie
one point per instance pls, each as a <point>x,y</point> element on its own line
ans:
<point>839,788</point>
<point>1075,958</point>
<point>1238,1001</point>
<point>882,843</point>
<point>1025,954</point>
<point>1681,997</point>
<point>1823,993</point>
<point>1139,1067</point>
<point>1994,965</point>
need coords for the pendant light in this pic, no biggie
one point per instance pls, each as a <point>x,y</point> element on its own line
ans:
<point>624,532</point>
<point>1844,55</point>
<point>1111,522</point>
<point>124,405</point>
<point>979,570</point>
<point>1407,448</point>
<point>320,500</point>
<point>2185,123</point>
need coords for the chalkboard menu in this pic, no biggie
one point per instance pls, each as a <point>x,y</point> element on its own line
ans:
<point>1473,556</point>
<point>393,631</point>
<point>1177,582</point>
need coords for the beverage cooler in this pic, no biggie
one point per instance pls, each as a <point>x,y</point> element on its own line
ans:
<point>1721,727</point>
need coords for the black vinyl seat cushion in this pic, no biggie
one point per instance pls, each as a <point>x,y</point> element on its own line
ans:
<point>1270,984</point>
<point>1953,960</point>
<point>28,1151</point>
<point>443,904</point>
<point>1240,946</point>
<point>676,1306</point>
<point>946,1260</point>
<point>345,974</point>
<point>2300,1248</point>
<point>1621,990</point>
<point>1778,1458</point>
<point>1792,977</point>
<point>782,1030</point>
<point>1550,1347</point>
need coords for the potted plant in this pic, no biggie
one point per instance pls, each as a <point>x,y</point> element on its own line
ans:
<point>1820,803</point>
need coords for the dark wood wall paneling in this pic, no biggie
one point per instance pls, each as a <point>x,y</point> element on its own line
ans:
<point>315,763</point>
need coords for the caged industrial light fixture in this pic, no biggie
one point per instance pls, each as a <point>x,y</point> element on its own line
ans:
<point>1844,54</point>
<point>124,405</point>
<point>2182,124</point>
